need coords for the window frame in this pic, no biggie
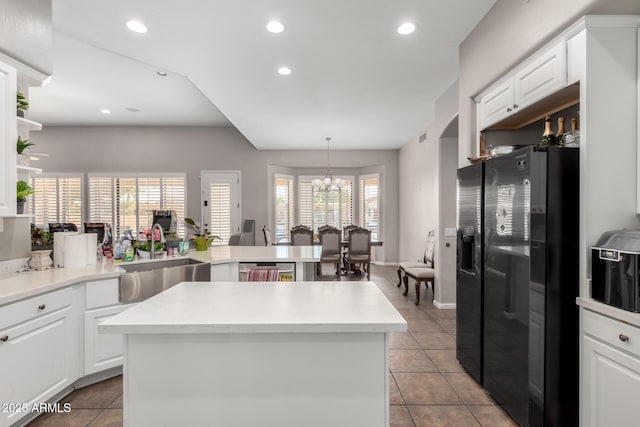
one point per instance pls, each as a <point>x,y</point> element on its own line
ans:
<point>290,206</point>
<point>57,176</point>
<point>376,234</point>
<point>309,178</point>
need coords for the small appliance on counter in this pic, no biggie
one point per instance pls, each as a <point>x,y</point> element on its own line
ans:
<point>167,219</point>
<point>614,269</point>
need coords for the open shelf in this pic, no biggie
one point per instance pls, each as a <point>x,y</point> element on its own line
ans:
<point>28,124</point>
<point>28,169</point>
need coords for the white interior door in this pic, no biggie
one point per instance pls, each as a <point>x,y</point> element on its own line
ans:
<point>221,203</point>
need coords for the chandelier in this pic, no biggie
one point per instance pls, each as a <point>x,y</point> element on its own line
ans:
<point>328,183</point>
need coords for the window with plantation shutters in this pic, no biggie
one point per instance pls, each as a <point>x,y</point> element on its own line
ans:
<point>284,206</point>
<point>318,207</point>
<point>370,204</point>
<point>220,220</point>
<point>57,198</point>
<point>127,201</point>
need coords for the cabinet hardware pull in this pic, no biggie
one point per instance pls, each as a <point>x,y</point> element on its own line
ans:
<point>515,106</point>
<point>4,338</point>
<point>42,307</point>
<point>508,109</point>
<point>623,338</point>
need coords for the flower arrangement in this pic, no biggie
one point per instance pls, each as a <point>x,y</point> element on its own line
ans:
<point>201,239</point>
<point>144,244</point>
<point>40,237</point>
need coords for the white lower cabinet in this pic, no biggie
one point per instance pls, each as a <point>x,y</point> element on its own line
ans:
<point>610,372</point>
<point>39,353</point>
<point>101,351</point>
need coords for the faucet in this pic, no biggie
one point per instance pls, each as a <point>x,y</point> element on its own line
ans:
<point>152,250</point>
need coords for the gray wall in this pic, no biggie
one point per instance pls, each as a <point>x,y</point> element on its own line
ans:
<point>193,149</point>
<point>25,32</point>
<point>510,32</point>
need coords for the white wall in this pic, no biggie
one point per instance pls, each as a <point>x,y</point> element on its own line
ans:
<point>420,184</point>
<point>192,149</point>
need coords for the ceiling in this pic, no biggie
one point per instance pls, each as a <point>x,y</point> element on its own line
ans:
<point>354,78</point>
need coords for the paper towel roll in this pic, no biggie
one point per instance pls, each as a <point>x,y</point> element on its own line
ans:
<point>75,251</point>
<point>92,247</point>
<point>58,246</point>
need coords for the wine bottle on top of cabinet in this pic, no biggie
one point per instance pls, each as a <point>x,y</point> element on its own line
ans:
<point>561,132</point>
<point>548,138</point>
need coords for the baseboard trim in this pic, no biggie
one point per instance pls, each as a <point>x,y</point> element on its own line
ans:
<point>445,305</point>
<point>384,264</point>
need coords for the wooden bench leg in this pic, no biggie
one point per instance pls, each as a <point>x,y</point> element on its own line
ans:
<point>399,277</point>
<point>418,283</point>
<point>406,285</point>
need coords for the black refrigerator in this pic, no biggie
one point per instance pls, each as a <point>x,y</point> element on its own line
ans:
<point>529,282</point>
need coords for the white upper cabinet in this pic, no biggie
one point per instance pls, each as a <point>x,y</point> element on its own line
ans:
<point>538,77</point>
<point>545,75</point>
<point>8,137</point>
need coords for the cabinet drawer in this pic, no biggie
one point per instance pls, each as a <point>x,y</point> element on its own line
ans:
<point>101,293</point>
<point>22,311</point>
<point>613,332</point>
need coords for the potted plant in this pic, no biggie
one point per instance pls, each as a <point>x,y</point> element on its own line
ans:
<point>143,245</point>
<point>21,145</point>
<point>201,239</point>
<point>22,191</point>
<point>23,105</point>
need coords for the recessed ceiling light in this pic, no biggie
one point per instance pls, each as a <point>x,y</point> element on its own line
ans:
<point>275,27</point>
<point>161,73</point>
<point>133,109</point>
<point>406,28</point>
<point>136,26</point>
<point>285,71</point>
<point>105,111</point>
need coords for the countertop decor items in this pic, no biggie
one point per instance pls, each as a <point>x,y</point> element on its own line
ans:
<point>201,239</point>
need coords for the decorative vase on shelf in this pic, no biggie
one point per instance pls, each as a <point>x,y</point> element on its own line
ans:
<point>20,113</point>
<point>20,207</point>
<point>40,260</point>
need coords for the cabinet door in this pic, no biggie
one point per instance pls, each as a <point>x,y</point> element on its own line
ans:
<point>496,105</point>
<point>101,351</point>
<point>37,361</point>
<point>545,75</point>
<point>8,136</point>
<point>610,387</point>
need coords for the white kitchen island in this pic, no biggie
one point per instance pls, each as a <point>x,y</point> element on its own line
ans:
<point>311,354</point>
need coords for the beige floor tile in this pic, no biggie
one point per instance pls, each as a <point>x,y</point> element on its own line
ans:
<point>442,416</point>
<point>426,389</point>
<point>410,361</point>
<point>423,325</point>
<point>399,417</point>
<point>98,395</point>
<point>492,416</point>
<point>75,418</point>
<point>435,340</point>
<point>468,389</point>
<point>439,313</point>
<point>108,418</point>
<point>395,398</point>
<point>448,325</point>
<point>402,341</point>
<point>117,403</point>
<point>445,360</point>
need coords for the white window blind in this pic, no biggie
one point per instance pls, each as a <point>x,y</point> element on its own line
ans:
<point>127,201</point>
<point>284,205</point>
<point>57,198</point>
<point>220,200</point>
<point>370,204</point>
<point>317,208</point>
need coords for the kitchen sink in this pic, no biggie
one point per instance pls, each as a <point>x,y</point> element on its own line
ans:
<point>143,280</point>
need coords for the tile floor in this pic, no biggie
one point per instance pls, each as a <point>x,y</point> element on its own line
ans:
<point>428,386</point>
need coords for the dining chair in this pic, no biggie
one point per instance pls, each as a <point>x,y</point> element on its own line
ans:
<point>424,273</point>
<point>246,237</point>
<point>331,241</point>
<point>300,226</point>
<point>301,236</point>
<point>427,258</point>
<point>359,250</point>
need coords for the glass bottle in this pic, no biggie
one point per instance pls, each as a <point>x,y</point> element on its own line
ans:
<point>561,132</point>
<point>548,138</point>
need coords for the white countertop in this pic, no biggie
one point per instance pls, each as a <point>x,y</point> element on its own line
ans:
<point>619,314</point>
<point>223,254</point>
<point>17,286</point>
<point>257,307</point>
